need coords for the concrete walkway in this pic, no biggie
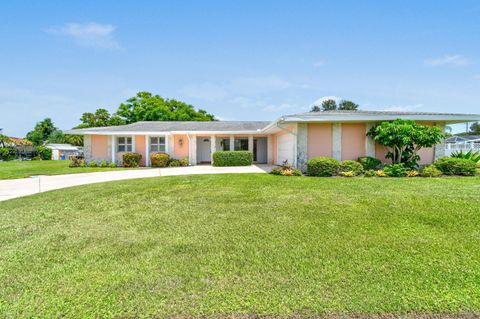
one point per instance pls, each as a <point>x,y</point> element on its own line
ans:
<point>14,188</point>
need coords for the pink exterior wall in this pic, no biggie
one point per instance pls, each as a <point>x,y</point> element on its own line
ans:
<point>100,147</point>
<point>353,141</point>
<point>380,152</point>
<point>319,140</point>
<point>140,147</point>
<point>180,150</point>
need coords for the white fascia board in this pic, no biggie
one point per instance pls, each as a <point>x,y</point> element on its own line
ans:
<point>256,132</point>
<point>219,132</point>
<point>377,118</point>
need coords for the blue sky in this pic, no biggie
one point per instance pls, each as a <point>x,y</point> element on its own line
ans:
<point>243,60</point>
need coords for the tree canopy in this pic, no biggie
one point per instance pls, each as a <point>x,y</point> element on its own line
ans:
<point>42,131</point>
<point>148,107</point>
<point>404,138</point>
<point>101,117</point>
<point>329,105</point>
<point>315,108</point>
<point>347,105</point>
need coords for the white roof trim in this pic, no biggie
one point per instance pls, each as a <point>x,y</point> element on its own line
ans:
<point>381,117</point>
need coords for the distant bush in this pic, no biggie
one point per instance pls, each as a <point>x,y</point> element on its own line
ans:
<point>369,162</point>
<point>44,153</point>
<point>351,166</point>
<point>395,170</point>
<point>348,174</point>
<point>184,161</point>
<point>112,165</point>
<point>370,173</point>
<point>430,171</point>
<point>232,158</point>
<point>322,166</point>
<point>92,164</point>
<point>471,155</point>
<point>159,159</point>
<point>412,173</point>
<point>456,166</point>
<point>131,159</point>
<point>104,163</point>
<point>77,162</point>
<point>8,153</point>
<point>286,170</point>
<point>174,163</point>
<point>380,173</point>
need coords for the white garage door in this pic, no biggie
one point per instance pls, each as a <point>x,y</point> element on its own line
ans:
<point>285,148</point>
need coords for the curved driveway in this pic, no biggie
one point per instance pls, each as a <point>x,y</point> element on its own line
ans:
<point>14,188</point>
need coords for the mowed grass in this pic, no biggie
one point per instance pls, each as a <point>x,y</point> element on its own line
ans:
<point>21,169</point>
<point>247,244</point>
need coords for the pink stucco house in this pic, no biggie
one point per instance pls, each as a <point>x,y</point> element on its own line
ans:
<point>296,138</point>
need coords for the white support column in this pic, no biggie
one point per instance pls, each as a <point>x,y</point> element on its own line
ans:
<point>169,145</point>
<point>134,144</point>
<point>269,149</point>
<point>337,141</point>
<point>192,149</point>
<point>250,143</point>
<point>232,143</point>
<point>113,148</point>
<point>147,150</point>
<point>369,142</point>
<point>213,147</point>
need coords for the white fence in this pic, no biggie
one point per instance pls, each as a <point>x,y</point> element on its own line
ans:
<point>465,147</point>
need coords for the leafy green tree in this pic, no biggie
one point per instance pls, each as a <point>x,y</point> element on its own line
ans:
<point>76,140</point>
<point>315,108</point>
<point>41,132</point>
<point>475,129</point>
<point>4,140</point>
<point>404,138</point>
<point>347,105</point>
<point>101,117</point>
<point>148,107</point>
<point>56,137</point>
<point>329,105</point>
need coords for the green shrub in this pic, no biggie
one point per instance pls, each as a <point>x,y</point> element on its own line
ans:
<point>104,163</point>
<point>348,174</point>
<point>322,166</point>
<point>174,163</point>
<point>44,153</point>
<point>430,171</point>
<point>370,173</point>
<point>456,166</point>
<point>369,162</point>
<point>184,161</point>
<point>412,173</point>
<point>112,165</point>
<point>380,173</point>
<point>471,155</point>
<point>8,153</point>
<point>76,162</point>
<point>351,166</point>
<point>286,170</point>
<point>92,164</point>
<point>131,159</point>
<point>159,159</point>
<point>395,170</point>
<point>232,158</point>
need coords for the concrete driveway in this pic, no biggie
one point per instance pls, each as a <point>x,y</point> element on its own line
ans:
<point>14,188</point>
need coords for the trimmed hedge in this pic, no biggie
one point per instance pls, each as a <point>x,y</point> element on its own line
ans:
<point>131,159</point>
<point>232,158</point>
<point>159,159</point>
<point>351,166</point>
<point>456,166</point>
<point>322,166</point>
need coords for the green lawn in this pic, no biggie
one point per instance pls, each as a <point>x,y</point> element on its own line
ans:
<point>17,169</point>
<point>243,244</point>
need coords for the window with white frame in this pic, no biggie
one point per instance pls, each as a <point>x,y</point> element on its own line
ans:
<point>124,144</point>
<point>157,144</point>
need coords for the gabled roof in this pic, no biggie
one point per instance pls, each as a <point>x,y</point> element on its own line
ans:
<point>462,138</point>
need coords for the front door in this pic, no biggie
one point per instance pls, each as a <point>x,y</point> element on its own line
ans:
<point>204,151</point>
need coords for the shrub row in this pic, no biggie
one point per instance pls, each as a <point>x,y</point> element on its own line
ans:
<point>164,160</point>
<point>40,153</point>
<point>286,170</point>
<point>232,158</point>
<point>80,162</point>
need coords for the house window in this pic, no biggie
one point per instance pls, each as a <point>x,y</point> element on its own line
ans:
<point>124,144</point>
<point>157,144</point>
<point>225,143</point>
<point>241,144</point>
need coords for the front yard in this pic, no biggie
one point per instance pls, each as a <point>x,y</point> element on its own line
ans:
<point>20,169</point>
<point>243,244</point>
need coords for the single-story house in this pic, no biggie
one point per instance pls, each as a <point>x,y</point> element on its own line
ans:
<point>295,138</point>
<point>64,151</point>
<point>463,143</point>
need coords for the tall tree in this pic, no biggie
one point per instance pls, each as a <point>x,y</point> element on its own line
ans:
<point>315,108</point>
<point>329,105</point>
<point>101,117</point>
<point>347,105</point>
<point>148,107</point>
<point>41,132</point>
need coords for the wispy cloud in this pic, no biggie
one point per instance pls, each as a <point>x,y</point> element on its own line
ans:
<point>449,60</point>
<point>90,34</point>
<point>403,108</point>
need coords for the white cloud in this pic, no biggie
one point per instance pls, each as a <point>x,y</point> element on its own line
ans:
<point>88,34</point>
<point>318,63</point>
<point>403,108</point>
<point>452,60</point>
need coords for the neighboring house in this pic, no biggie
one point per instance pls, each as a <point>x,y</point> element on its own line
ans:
<point>463,143</point>
<point>294,138</point>
<point>64,151</point>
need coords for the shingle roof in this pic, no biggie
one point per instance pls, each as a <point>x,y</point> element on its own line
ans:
<point>462,138</point>
<point>169,126</point>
